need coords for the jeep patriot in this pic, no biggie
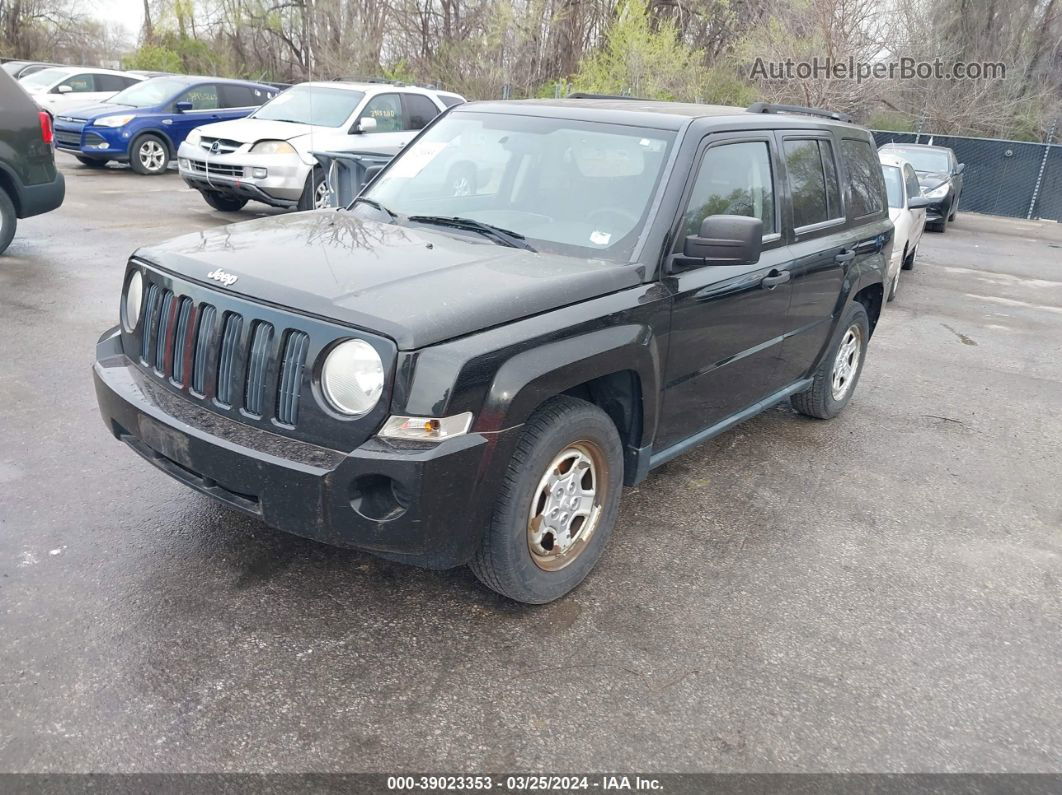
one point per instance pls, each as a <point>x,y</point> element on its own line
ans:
<point>468,372</point>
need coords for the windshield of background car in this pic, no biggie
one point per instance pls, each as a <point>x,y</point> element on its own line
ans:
<point>45,78</point>
<point>316,105</point>
<point>893,185</point>
<point>149,93</point>
<point>568,187</point>
<point>927,160</point>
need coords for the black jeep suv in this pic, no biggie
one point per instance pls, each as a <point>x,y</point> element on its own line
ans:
<point>447,374</point>
<point>29,182</point>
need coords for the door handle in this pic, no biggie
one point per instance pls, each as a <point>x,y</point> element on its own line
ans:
<point>844,256</point>
<point>774,278</point>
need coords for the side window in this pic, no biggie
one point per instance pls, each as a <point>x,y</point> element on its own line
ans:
<point>237,96</point>
<point>734,179</point>
<point>911,180</point>
<point>387,110</point>
<point>204,97</point>
<point>449,100</point>
<point>110,82</point>
<point>865,180</point>
<point>79,83</point>
<point>128,81</point>
<point>813,181</point>
<point>419,111</point>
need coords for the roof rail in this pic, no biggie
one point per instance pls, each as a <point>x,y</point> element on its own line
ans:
<point>769,107</point>
<point>585,95</point>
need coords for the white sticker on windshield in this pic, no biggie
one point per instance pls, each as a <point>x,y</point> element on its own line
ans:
<point>600,238</point>
<point>413,161</point>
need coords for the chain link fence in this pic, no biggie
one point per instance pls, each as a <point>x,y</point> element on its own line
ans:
<point>1013,178</point>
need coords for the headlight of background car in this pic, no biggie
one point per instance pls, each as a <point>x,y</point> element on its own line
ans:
<point>134,295</point>
<point>194,137</point>
<point>114,121</point>
<point>937,192</point>
<point>273,148</point>
<point>352,377</point>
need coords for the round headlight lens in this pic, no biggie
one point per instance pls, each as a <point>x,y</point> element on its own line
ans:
<point>353,377</point>
<point>134,295</point>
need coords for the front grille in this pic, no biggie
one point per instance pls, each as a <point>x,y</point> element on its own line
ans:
<point>246,361</point>
<point>218,169</point>
<point>225,146</point>
<point>65,138</point>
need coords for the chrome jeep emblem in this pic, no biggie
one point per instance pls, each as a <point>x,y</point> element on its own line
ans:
<point>215,147</point>
<point>219,275</point>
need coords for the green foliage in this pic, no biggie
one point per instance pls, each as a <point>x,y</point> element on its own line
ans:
<point>155,58</point>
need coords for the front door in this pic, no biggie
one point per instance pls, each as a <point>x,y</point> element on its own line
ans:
<point>727,322</point>
<point>206,109</point>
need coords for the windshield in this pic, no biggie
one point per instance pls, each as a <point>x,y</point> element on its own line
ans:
<point>45,78</point>
<point>149,93</point>
<point>316,105</point>
<point>926,159</point>
<point>569,187</point>
<point>893,185</point>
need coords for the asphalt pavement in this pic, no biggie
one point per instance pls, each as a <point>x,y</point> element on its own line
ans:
<point>876,593</point>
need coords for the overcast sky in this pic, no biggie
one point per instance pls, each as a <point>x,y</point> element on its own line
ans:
<point>127,14</point>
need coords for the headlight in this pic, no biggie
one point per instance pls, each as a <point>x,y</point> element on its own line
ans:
<point>937,192</point>
<point>352,377</point>
<point>193,137</point>
<point>114,121</point>
<point>134,295</point>
<point>273,148</point>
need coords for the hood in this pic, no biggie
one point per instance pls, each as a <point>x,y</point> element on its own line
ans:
<point>418,286</point>
<point>248,131</point>
<point>93,112</point>
<point>932,179</point>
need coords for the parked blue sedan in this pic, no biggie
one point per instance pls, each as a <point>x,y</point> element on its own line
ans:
<point>146,123</point>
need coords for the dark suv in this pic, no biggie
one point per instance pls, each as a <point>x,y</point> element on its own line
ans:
<point>446,376</point>
<point>29,181</point>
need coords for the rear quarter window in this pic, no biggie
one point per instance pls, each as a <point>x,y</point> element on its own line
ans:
<point>866,183</point>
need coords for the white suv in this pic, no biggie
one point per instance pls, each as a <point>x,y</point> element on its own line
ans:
<point>61,88</point>
<point>267,155</point>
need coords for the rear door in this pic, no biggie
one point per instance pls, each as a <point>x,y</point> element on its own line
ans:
<point>727,323</point>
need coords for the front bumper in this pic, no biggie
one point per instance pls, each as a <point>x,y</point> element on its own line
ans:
<point>233,174</point>
<point>427,505</point>
<point>104,143</point>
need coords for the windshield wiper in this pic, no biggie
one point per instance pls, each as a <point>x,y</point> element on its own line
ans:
<point>376,204</point>
<point>504,237</point>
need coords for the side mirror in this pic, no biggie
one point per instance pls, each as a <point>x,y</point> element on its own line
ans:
<point>918,202</point>
<point>726,240</point>
<point>366,124</point>
<point>960,168</point>
<point>183,106</point>
<point>65,89</point>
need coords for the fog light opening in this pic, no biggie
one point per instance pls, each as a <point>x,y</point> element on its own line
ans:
<point>378,497</point>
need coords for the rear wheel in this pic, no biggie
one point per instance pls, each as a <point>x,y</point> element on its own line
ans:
<point>557,505</point>
<point>92,162</point>
<point>908,260</point>
<point>8,221</point>
<point>149,155</point>
<point>219,201</point>
<point>836,376</point>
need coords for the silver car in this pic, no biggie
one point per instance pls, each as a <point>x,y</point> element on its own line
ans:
<point>267,156</point>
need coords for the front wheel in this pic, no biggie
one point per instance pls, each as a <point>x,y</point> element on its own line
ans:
<point>219,201</point>
<point>835,378</point>
<point>149,155</point>
<point>8,221</point>
<point>316,195</point>
<point>557,505</point>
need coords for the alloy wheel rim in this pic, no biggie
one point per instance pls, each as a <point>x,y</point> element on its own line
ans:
<point>152,155</point>
<point>846,364</point>
<point>321,196</point>
<point>566,506</point>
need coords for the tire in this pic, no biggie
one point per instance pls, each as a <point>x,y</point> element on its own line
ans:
<point>92,162</point>
<point>908,261</point>
<point>520,556</point>
<point>8,221</point>
<point>895,286</point>
<point>149,155</point>
<point>311,194</point>
<point>938,226</point>
<point>223,203</point>
<point>821,400</point>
